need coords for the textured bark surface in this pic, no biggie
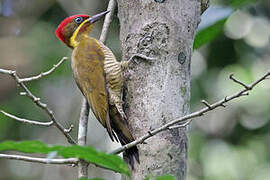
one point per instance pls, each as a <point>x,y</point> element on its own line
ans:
<point>160,91</point>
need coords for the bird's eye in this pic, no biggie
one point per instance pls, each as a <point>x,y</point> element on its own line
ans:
<point>78,20</point>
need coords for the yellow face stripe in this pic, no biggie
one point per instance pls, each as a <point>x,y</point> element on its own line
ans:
<point>73,41</point>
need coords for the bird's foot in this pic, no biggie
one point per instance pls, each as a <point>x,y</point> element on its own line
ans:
<point>135,59</point>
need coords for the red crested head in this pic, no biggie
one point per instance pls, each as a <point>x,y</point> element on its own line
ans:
<point>68,26</point>
<point>72,28</point>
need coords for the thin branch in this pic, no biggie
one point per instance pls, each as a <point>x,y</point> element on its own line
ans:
<point>239,82</point>
<point>245,94</point>
<point>82,137</point>
<point>44,73</point>
<point>23,93</point>
<point>187,118</point>
<point>107,21</point>
<point>69,129</point>
<point>180,125</point>
<point>38,102</point>
<point>4,71</point>
<point>71,161</point>
<point>206,104</point>
<point>61,161</point>
<point>84,111</point>
<point>83,120</point>
<point>27,121</point>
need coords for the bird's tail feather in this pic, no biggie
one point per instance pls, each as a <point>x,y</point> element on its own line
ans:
<point>120,127</point>
<point>130,153</point>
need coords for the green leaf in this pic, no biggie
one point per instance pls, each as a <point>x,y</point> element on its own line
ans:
<point>91,179</point>
<point>208,34</point>
<point>86,153</point>
<point>241,3</point>
<point>211,32</point>
<point>164,177</point>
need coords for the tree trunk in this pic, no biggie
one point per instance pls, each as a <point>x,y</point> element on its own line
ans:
<point>158,92</point>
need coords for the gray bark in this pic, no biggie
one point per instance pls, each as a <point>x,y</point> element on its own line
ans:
<point>160,91</point>
<point>82,136</point>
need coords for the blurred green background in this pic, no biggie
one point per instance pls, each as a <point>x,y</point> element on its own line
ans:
<point>230,143</point>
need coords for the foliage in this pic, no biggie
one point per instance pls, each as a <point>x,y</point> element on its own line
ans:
<point>213,31</point>
<point>91,179</point>
<point>209,33</point>
<point>241,3</point>
<point>221,142</point>
<point>218,147</point>
<point>89,154</point>
<point>164,177</point>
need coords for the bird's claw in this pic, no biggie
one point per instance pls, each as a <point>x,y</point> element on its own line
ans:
<point>135,57</point>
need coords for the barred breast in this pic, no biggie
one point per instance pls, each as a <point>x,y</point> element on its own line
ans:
<point>113,74</point>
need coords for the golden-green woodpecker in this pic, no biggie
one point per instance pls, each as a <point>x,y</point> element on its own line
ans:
<point>98,76</point>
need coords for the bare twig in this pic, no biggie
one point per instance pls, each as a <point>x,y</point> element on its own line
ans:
<point>187,118</point>
<point>83,120</point>
<point>180,125</point>
<point>47,124</point>
<point>239,82</point>
<point>69,129</point>
<point>107,21</point>
<point>57,161</point>
<point>84,111</point>
<point>23,93</point>
<point>44,73</point>
<point>40,160</point>
<point>5,71</point>
<point>38,102</point>
<point>206,104</point>
<point>82,137</point>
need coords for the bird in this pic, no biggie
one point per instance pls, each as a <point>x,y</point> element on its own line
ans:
<point>99,77</point>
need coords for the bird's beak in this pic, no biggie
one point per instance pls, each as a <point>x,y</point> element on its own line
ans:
<point>97,17</point>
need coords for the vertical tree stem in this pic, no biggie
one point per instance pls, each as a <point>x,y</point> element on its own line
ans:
<point>83,120</point>
<point>107,21</point>
<point>158,91</point>
<point>82,136</point>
